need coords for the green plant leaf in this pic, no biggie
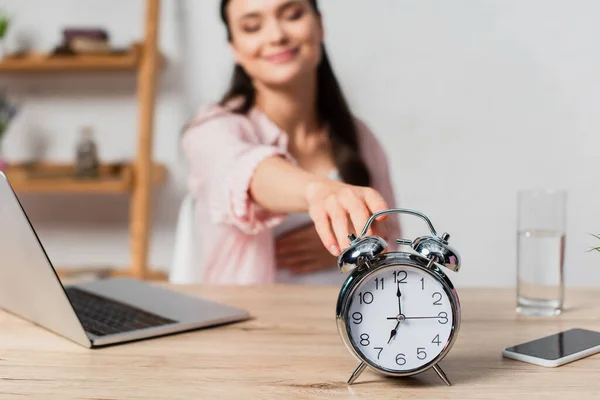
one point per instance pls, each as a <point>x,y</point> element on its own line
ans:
<point>596,236</point>
<point>4,22</point>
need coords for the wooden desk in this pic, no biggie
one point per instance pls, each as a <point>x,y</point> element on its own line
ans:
<point>292,350</point>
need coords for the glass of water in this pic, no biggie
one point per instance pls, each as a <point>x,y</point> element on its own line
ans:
<point>541,251</point>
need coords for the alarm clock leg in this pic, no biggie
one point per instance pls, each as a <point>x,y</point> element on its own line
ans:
<point>441,374</point>
<point>357,373</point>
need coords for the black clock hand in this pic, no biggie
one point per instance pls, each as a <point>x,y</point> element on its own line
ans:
<point>394,331</point>
<point>398,294</point>
<point>416,317</point>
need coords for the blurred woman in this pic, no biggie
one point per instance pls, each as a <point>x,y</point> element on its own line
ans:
<point>281,170</point>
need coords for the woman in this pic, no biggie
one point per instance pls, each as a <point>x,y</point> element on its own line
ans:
<point>281,170</point>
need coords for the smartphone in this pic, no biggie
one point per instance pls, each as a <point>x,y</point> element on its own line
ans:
<point>557,349</point>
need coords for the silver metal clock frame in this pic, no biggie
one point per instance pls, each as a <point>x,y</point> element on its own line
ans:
<point>359,275</point>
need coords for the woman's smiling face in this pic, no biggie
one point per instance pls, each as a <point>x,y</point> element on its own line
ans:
<point>275,41</point>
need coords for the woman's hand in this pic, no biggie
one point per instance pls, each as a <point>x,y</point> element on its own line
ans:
<point>339,209</point>
<point>302,251</point>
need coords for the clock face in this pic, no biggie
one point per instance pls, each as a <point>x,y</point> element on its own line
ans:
<point>400,318</point>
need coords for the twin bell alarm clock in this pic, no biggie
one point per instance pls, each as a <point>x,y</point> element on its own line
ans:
<point>397,312</point>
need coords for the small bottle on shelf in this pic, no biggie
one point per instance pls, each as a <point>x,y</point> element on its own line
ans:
<point>87,164</point>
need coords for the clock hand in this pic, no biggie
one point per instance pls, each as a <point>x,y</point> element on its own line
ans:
<point>394,331</point>
<point>416,317</point>
<point>398,294</point>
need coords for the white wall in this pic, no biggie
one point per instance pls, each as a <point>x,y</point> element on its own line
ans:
<point>473,100</point>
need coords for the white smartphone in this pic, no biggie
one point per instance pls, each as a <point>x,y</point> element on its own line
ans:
<point>557,349</point>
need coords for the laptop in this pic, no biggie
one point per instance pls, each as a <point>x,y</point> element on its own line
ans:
<point>95,313</point>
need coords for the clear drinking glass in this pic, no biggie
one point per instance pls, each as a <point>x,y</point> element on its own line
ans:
<point>541,251</point>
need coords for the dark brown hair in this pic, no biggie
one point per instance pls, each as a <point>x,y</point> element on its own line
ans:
<point>332,111</point>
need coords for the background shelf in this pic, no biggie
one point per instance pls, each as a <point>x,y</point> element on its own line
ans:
<point>38,62</point>
<point>136,178</point>
<point>57,177</point>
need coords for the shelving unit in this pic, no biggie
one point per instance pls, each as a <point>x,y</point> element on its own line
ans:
<point>137,178</point>
<point>39,62</point>
<point>54,177</point>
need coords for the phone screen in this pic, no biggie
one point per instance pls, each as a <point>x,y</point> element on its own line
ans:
<point>559,345</point>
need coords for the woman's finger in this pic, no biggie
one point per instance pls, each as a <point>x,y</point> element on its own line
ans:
<point>323,227</point>
<point>339,221</point>
<point>356,208</point>
<point>375,202</point>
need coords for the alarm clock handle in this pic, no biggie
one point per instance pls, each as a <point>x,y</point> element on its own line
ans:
<point>398,211</point>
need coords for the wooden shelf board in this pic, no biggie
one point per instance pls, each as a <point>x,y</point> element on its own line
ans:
<point>57,178</point>
<point>39,62</point>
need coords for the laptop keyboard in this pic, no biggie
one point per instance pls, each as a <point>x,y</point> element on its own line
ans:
<point>102,316</point>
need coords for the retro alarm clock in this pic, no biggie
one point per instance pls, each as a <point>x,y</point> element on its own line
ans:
<point>397,312</point>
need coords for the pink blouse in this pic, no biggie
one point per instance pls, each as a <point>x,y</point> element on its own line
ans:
<point>223,149</point>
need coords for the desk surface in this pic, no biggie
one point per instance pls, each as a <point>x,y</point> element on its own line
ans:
<point>291,349</point>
